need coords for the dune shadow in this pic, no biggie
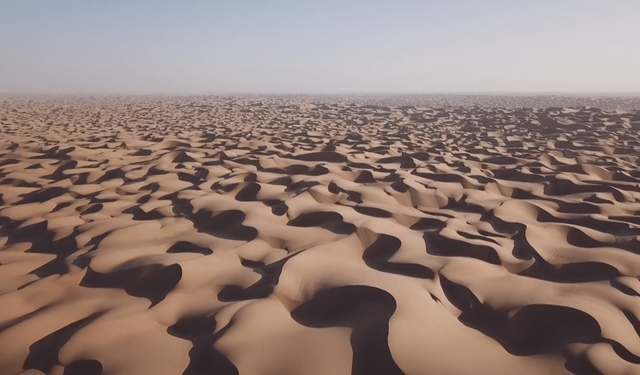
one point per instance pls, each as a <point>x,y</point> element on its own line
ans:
<point>364,309</point>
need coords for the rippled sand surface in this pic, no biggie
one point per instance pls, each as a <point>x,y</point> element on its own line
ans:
<point>209,235</point>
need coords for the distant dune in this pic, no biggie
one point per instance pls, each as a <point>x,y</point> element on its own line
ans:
<point>291,235</point>
<point>606,101</point>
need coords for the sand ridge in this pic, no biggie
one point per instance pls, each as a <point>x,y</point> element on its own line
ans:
<point>259,236</point>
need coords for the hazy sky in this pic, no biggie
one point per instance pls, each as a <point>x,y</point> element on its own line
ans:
<point>323,46</point>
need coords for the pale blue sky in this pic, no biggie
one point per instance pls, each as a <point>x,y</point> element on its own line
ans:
<point>241,46</point>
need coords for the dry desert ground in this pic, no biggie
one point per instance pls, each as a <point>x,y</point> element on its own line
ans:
<point>219,235</point>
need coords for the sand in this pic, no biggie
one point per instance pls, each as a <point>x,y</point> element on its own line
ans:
<point>208,235</point>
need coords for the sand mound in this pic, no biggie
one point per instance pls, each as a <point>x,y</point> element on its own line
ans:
<point>250,236</point>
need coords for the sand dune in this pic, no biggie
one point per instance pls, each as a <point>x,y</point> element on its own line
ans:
<point>204,235</point>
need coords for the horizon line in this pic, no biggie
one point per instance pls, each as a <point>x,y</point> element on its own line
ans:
<point>371,93</point>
